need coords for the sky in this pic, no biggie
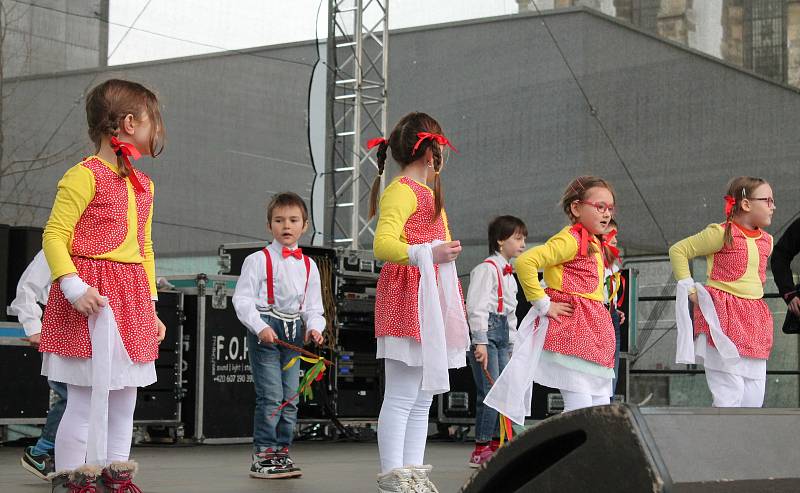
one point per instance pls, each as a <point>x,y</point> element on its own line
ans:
<point>142,30</point>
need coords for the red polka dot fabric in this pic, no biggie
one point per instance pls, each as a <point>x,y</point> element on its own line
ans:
<point>587,334</point>
<point>581,274</point>
<point>730,263</point>
<point>764,245</point>
<point>746,322</point>
<point>396,294</point>
<point>104,224</point>
<point>66,332</point>
<point>103,227</point>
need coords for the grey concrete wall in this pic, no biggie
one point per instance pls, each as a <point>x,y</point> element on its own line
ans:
<point>682,122</point>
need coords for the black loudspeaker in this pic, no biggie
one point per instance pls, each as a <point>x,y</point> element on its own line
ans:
<point>24,242</point>
<point>621,448</point>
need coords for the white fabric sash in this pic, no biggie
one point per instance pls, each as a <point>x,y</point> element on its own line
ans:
<point>109,359</point>
<point>512,392</point>
<point>444,333</point>
<point>685,351</point>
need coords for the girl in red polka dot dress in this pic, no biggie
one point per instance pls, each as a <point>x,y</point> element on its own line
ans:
<point>420,320</point>
<point>732,324</point>
<point>100,332</point>
<point>567,339</point>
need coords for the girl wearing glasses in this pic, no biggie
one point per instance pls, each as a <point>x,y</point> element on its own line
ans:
<point>567,339</point>
<point>732,324</point>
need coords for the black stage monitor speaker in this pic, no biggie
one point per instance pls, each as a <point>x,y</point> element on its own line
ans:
<point>621,448</point>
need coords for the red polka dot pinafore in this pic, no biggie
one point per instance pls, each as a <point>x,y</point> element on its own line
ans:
<point>588,333</point>
<point>746,322</point>
<point>396,294</point>
<point>102,228</point>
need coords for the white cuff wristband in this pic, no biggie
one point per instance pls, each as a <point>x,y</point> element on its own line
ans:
<point>73,288</point>
<point>542,306</point>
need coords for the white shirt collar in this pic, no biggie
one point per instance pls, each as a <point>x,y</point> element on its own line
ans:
<point>499,260</point>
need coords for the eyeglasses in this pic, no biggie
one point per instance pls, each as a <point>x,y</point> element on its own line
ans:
<point>601,207</point>
<point>769,200</point>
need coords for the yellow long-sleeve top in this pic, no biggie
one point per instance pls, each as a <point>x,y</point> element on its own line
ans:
<point>84,194</point>
<point>564,270</point>
<point>739,269</point>
<point>397,204</point>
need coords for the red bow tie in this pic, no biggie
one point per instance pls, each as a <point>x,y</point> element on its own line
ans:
<point>507,270</point>
<point>296,253</point>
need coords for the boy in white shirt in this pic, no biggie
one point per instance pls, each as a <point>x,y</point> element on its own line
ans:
<point>33,290</point>
<point>491,303</point>
<point>278,296</point>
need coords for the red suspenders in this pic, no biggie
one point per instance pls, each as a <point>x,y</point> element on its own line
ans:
<point>499,286</point>
<point>271,280</point>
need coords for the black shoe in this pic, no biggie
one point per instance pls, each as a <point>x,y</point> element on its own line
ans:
<point>288,464</point>
<point>268,465</point>
<point>39,465</point>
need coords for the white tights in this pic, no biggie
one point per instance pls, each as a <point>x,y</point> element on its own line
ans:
<point>403,421</point>
<point>579,400</point>
<point>729,390</point>
<point>73,431</point>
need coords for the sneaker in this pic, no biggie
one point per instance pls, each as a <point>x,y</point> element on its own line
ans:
<point>480,455</point>
<point>58,481</point>
<point>84,479</point>
<point>288,464</point>
<point>495,444</point>
<point>117,477</point>
<point>397,480</point>
<point>40,466</point>
<point>268,465</point>
<point>421,483</point>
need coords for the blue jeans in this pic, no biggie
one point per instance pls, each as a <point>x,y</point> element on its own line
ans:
<point>498,350</point>
<point>274,385</point>
<point>616,321</point>
<point>56,411</point>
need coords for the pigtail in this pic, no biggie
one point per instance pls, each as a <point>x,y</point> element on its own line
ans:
<point>728,236</point>
<point>113,130</point>
<point>438,195</point>
<point>376,184</point>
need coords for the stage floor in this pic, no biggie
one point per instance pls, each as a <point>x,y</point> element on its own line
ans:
<point>328,467</point>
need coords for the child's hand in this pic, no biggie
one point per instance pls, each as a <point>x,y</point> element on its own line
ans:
<point>794,305</point>
<point>621,316</point>
<point>90,303</point>
<point>693,298</point>
<point>314,335</point>
<point>267,336</point>
<point>34,339</point>
<point>481,355</point>
<point>162,329</point>
<point>446,252</point>
<point>557,309</point>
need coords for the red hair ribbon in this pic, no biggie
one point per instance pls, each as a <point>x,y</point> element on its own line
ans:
<point>126,150</point>
<point>730,203</point>
<point>439,139</point>
<point>375,142</point>
<point>606,243</point>
<point>584,243</point>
